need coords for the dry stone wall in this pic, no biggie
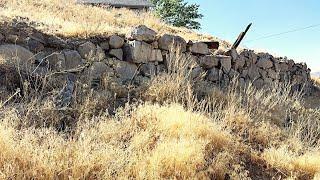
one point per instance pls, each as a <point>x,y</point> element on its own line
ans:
<point>143,54</point>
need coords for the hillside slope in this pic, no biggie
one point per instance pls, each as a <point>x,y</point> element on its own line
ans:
<point>172,127</point>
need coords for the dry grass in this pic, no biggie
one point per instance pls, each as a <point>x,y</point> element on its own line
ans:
<point>222,135</point>
<point>316,80</point>
<point>66,18</point>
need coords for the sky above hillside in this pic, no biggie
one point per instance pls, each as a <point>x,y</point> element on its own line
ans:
<point>226,19</point>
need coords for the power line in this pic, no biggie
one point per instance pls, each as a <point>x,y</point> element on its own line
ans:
<point>286,32</point>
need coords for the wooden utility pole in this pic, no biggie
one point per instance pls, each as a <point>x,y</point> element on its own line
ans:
<point>240,37</point>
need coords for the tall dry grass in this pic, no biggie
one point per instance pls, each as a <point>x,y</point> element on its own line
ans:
<point>236,133</point>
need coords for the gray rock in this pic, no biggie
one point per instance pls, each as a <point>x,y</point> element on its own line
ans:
<point>239,63</point>
<point>199,48</point>
<point>196,72</point>
<point>284,67</point>
<point>16,55</point>
<point>265,63</point>
<point>143,33</point>
<point>273,74</point>
<point>225,62</point>
<point>138,52</point>
<point>116,42</point>
<point>156,55</point>
<point>97,69</point>
<point>209,61</point>
<point>105,46</point>
<point>73,59</point>
<point>35,46</point>
<point>263,73</point>
<point>167,42</point>
<point>56,61</point>
<point>233,53</point>
<point>213,74</point>
<point>100,54</point>
<point>258,83</point>
<point>87,50</point>
<point>1,37</point>
<point>118,53</point>
<point>233,73</point>
<point>148,69</point>
<point>253,73</point>
<point>125,70</point>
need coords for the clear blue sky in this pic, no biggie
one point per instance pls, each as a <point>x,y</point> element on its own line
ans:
<point>227,18</point>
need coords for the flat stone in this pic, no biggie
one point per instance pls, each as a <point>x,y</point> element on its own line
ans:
<point>199,48</point>
<point>73,59</point>
<point>143,33</point>
<point>87,50</point>
<point>116,42</point>
<point>118,53</point>
<point>138,52</point>
<point>167,42</point>
<point>209,61</point>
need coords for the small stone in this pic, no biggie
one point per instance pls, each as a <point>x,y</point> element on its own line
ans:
<point>196,72</point>
<point>118,53</point>
<point>143,33</point>
<point>258,83</point>
<point>73,59</point>
<point>265,63</point>
<point>213,74</point>
<point>167,42</point>
<point>253,73</point>
<point>35,46</point>
<point>100,54</point>
<point>225,62</point>
<point>148,69</point>
<point>116,42</point>
<point>138,52</point>
<point>87,50</point>
<point>105,46</point>
<point>125,70</point>
<point>199,48</point>
<point>209,61</point>
<point>98,69</point>
<point>56,61</point>
<point>156,55</point>
<point>273,74</point>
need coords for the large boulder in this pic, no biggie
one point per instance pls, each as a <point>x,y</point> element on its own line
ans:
<point>143,33</point>
<point>17,56</point>
<point>116,42</point>
<point>199,48</point>
<point>138,52</point>
<point>167,42</point>
<point>209,61</point>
